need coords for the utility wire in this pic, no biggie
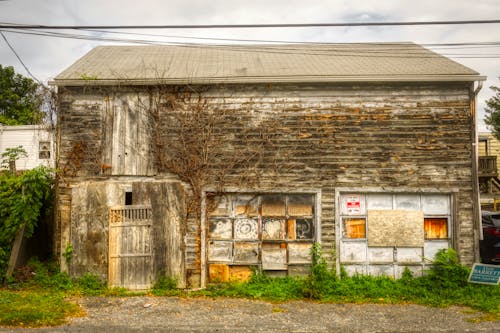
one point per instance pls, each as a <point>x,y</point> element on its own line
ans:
<point>240,26</point>
<point>19,58</point>
<point>264,41</point>
<point>321,50</point>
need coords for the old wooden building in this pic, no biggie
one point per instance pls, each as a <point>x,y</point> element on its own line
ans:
<point>204,162</point>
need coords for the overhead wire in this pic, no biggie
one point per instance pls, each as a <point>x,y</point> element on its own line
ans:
<point>19,58</point>
<point>319,48</point>
<point>263,45</point>
<point>245,26</point>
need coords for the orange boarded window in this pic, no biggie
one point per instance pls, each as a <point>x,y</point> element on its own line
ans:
<point>355,227</point>
<point>436,228</point>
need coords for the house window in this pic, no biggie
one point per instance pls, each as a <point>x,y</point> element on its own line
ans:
<point>44,150</point>
<point>274,232</point>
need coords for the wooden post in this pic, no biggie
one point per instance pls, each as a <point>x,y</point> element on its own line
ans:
<point>15,251</point>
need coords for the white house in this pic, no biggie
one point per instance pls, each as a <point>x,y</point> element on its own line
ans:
<point>37,140</point>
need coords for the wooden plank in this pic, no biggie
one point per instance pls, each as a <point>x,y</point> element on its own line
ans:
<point>15,253</point>
<point>130,255</point>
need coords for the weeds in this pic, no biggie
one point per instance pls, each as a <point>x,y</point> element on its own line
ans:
<point>444,284</point>
<point>165,286</point>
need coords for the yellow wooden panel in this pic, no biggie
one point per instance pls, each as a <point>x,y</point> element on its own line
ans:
<point>218,273</point>
<point>240,273</point>
<point>291,229</point>
<point>355,227</point>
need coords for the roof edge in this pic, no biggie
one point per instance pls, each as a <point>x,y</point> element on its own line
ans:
<point>270,79</point>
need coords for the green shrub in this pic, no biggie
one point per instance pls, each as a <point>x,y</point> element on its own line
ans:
<point>321,281</point>
<point>165,286</point>
<point>446,270</point>
<point>91,284</point>
<point>23,198</point>
<point>42,275</point>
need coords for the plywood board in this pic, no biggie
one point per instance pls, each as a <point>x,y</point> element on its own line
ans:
<point>246,252</point>
<point>220,229</point>
<point>218,272</point>
<point>246,229</point>
<point>300,205</point>
<point>291,229</point>
<point>403,228</point>
<point>273,228</point>
<point>220,251</point>
<point>240,273</point>
<point>246,205</point>
<point>304,228</point>
<point>273,205</point>
<point>273,257</point>
<point>222,206</point>
<point>299,253</point>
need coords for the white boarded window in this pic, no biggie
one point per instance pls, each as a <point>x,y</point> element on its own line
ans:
<point>395,219</point>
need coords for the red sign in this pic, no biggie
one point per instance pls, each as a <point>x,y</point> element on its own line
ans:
<point>353,203</point>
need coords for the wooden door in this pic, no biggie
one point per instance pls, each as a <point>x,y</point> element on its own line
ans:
<point>130,247</point>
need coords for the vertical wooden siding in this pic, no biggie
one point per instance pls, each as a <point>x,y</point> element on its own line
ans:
<point>130,247</point>
<point>413,136</point>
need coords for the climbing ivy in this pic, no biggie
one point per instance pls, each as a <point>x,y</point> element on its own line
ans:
<point>23,198</point>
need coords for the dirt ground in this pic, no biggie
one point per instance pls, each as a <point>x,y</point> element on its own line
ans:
<point>172,314</point>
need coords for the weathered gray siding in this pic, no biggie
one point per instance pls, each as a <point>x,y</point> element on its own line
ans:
<point>321,137</point>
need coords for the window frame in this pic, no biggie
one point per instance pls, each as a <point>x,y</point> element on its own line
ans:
<point>315,223</point>
<point>343,215</point>
<point>44,151</point>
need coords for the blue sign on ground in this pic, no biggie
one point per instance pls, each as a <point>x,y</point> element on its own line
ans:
<point>485,274</point>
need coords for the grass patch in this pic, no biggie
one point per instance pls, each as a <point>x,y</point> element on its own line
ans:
<point>35,309</point>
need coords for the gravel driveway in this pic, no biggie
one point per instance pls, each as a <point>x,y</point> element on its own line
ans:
<point>172,314</point>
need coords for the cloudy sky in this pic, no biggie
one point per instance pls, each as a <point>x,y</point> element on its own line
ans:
<point>47,56</point>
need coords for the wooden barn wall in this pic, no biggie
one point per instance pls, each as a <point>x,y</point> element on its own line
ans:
<point>412,136</point>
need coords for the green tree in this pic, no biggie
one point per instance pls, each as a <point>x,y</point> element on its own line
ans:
<point>492,109</point>
<point>20,100</point>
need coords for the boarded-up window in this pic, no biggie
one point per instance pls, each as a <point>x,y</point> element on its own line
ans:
<point>395,219</point>
<point>436,228</point>
<point>273,205</point>
<point>300,205</point>
<point>354,228</point>
<point>389,228</point>
<point>272,231</point>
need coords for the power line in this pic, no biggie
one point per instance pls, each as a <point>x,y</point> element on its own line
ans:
<point>320,50</point>
<point>19,58</point>
<point>245,26</point>
<point>436,45</point>
<point>489,44</point>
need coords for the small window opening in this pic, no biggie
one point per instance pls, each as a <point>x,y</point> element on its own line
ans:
<point>128,198</point>
<point>436,228</point>
<point>354,228</point>
<point>44,150</point>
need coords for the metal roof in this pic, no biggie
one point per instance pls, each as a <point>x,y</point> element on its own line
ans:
<point>201,64</point>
